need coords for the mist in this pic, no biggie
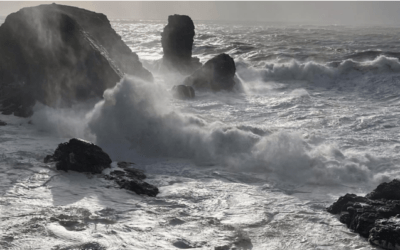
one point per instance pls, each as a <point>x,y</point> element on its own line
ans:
<point>326,13</point>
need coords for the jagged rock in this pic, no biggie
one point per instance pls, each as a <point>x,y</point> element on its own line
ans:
<point>177,43</point>
<point>81,156</point>
<point>132,179</point>
<point>57,55</point>
<point>216,74</point>
<point>375,216</point>
<point>386,233</point>
<point>183,92</point>
<point>389,191</point>
<point>342,203</point>
<point>131,172</point>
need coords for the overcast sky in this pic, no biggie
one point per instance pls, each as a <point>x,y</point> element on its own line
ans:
<point>356,13</point>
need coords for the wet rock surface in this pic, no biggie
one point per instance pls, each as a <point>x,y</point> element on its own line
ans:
<point>58,55</point>
<point>375,216</point>
<point>177,43</point>
<point>183,92</point>
<point>132,179</point>
<point>216,74</point>
<point>82,156</point>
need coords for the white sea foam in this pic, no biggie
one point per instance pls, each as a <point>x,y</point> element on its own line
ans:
<point>319,72</point>
<point>253,167</point>
<point>136,118</point>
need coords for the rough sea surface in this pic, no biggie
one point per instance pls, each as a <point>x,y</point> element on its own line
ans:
<point>318,117</point>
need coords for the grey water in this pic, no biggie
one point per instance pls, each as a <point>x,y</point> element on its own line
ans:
<point>255,169</point>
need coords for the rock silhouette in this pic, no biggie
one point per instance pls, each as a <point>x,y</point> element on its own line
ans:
<point>216,74</point>
<point>375,216</point>
<point>183,92</point>
<point>177,43</point>
<point>57,55</point>
<point>82,156</point>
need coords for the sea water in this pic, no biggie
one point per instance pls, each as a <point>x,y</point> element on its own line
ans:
<point>317,117</point>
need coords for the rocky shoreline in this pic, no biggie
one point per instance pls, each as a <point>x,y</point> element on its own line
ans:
<point>375,216</point>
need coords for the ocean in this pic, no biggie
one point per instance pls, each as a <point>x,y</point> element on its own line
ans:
<point>315,117</point>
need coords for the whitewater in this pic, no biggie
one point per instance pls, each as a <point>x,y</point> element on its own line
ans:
<point>315,117</point>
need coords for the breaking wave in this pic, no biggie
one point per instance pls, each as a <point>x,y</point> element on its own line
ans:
<point>318,72</point>
<point>135,118</point>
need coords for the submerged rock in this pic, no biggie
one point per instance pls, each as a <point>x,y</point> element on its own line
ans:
<point>183,92</point>
<point>57,55</point>
<point>132,179</point>
<point>216,74</point>
<point>177,43</point>
<point>375,216</point>
<point>84,246</point>
<point>82,156</point>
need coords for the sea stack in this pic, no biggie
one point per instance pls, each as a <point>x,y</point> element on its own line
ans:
<point>58,55</point>
<point>216,74</point>
<point>177,43</point>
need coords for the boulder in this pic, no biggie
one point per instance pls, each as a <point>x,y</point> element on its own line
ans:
<point>177,43</point>
<point>82,156</point>
<point>216,74</point>
<point>183,92</point>
<point>3,123</point>
<point>375,216</point>
<point>58,55</point>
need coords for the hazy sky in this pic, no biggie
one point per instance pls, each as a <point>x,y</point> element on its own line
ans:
<point>294,12</point>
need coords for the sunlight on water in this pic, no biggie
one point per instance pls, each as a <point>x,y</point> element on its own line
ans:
<point>253,170</point>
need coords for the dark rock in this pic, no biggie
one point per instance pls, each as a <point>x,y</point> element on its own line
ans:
<point>182,244</point>
<point>85,246</point>
<point>124,164</point>
<point>138,186</point>
<point>58,55</point>
<point>183,92</point>
<point>375,216</point>
<point>132,179</point>
<point>131,172</point>
<point>343,202</point>
<point>226,247</point>
<point>3,123</point>
<point>176,221</point>
<point>216,74</point>
<point>137,173</point>
<point>389,191</point>
<point>81,156</point>
<point>177,43</point>
<point>386,233</point>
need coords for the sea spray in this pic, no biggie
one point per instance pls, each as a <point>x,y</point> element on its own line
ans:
<point>136,118</point>
<point>315,72</point>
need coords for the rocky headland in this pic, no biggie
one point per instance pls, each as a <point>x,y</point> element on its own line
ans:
<point>59,55</point>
